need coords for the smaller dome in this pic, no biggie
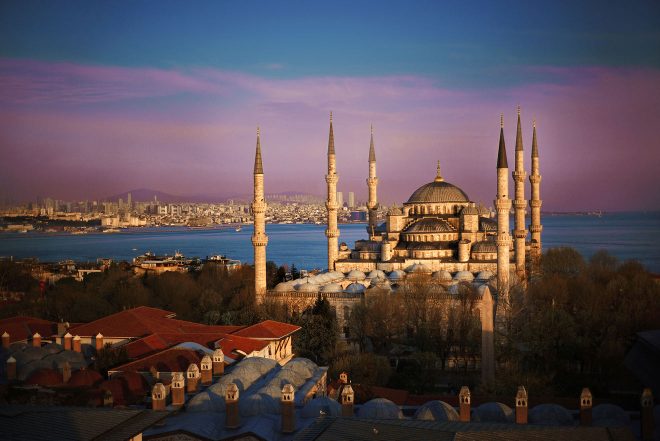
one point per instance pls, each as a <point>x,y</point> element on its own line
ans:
<point>484,276</point>
<point>493,412</point>
<point>610,415</point>
<point>379,281</point>
<point>380,408</point>
<point>257,404</point>
<point>321,406</point>
<point>45,377</point>
<point>483,211</point>
<point>430,225</point>
<point>376,274</point>
<point>470,210</point>
<point>307,287</point>
<point>436,411</point>
<point>418,268</point>
<point>355,275</point>
<point>305,280</point>
<point>355,288</point>
<point>397,275</point>
<point>85,378</point>
<point>485,246</point>
<point>332,287</point>
<point>550,415</point>
<point>464,276</point>
<point>284,287</point>
<point>442,276</point>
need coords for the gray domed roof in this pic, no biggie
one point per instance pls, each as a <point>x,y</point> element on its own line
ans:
<point>442,276</point>
<point>438,191</point>
<point>550,415</point>
<point>302,366</point>
<point>397,275</point>
<point>419,268</point>
<point>380,408</point>
<point>376,274</point>
<point>610,415</point>
<point>484,276</point>
<point>430,225</point>
<point>486,246</point>
<point>321,406</point>
<point>355,288</point>
<point>307,287</point>
<point>284,287</point>
<point>355,275</point>
<point>493,412</point>
<point>436,411</point>
<point>332,287</point>
<point>257,404</point>
<point>464,276</point>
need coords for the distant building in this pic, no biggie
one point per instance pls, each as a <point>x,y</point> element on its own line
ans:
<point>351,200</point>
<point>340,199</point>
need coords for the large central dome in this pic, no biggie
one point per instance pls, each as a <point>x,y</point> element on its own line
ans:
<point>438,192</point>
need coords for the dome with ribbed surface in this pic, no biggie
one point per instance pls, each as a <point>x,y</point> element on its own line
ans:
<point>430,225</point>
<point>438,192</point>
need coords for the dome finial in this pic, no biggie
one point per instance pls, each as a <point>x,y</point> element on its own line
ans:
<point>501,120</point>
<point>534,123</point>
<point>438,176</point>
<point>331,116</point>
<point>519,110</point>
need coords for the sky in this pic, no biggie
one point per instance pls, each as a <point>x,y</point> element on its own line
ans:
<point>98,97</point>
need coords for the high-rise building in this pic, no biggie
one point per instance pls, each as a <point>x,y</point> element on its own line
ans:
<point>340,199</point>
<point>351,199</point>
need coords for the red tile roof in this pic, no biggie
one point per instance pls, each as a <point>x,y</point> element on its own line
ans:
<point>268,330</point>
<point>131,323</point>
<point>23,328</point>
<point>233,342</point>
<point>169,360</point>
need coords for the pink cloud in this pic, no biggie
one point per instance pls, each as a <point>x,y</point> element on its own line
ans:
<point>597,131</point>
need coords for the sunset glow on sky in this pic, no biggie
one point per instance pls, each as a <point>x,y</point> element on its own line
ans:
<point>98,98</point>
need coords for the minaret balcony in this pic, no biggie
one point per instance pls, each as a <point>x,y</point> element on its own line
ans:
<point>520,204</point>
<point>331,233</point>
<point>519,175</point>
<point>535,179</point>
<point>535,228</point>
<point>520,234</point>
<point>260,240</point>
<point>331,179</point>
<point>504,241</point>
<point>502,205</point>
<point>372,181</point>
<point>331,206</point>
<point>535,203</point>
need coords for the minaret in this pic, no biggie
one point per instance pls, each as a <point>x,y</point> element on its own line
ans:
<point>331,178</point>
<point>535,201</point>
<point>259,238</point>
<point>519,204</point>
<point>372,184</point>
<point>502,205</point>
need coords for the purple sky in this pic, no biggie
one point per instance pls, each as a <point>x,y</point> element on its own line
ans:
<point>77,128</point>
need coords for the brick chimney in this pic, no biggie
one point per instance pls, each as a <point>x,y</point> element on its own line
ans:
<point>98,342</point>
<point>586,403</point>
<point>66,372</point>
<point>206,366</point>
<point>76,344</point>
<point>347,401</point>
<point>192,378</point>
<point>158,397</point>
<point>178,391</point>
<point>233,417</point>
<point>218,362</point>
<point>5,340</point>
<point>343,378</point>
<point>646,415</point>
<point>464,399</point>
<point>521,405</point>
<point>288,409</point>
<point>11,369</point>
<point>36,340</point>
<point>67,341</point>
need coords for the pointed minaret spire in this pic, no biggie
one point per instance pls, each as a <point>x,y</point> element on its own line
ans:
<point>372,186</point>
<point>501,153</point>
<point>331,139</point>
<point>258,166</point>
<point>535,201</point>
<point>519,204</point>
<point>535,147</point>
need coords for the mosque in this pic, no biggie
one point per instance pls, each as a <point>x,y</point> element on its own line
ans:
<point>437,233</point>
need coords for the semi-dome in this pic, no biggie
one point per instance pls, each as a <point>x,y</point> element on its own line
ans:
<point>470,210</point>
<point>438,192</point>
<point>430,225</point>
<point>485,246</point>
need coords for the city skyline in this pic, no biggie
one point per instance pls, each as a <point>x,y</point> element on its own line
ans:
<point>98,100</point>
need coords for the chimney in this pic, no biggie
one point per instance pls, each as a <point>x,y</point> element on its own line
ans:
<point>36,340</point>
<point>347,401</point>
<point>158,396</point>
<point>76,344</point>
<point>61,328</point>
<point>67,341</point>
<point>178,392</point>
<point>288,409</point>
<point>343,378</point>
<point>66,372</point>
<point>5,340</point>
<point>11,369</point>
<point>108,400</point>
<point>206,368</point>
<point>233,418</point>
<point>521,405</point>
<point>646,416</point>
<point>192,378</point>
<point>218,362</point>
<point>464,404</point>
<point>586,403</point>
<point>98,341</point>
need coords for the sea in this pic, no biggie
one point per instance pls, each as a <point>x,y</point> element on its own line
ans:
<point>624,235</point>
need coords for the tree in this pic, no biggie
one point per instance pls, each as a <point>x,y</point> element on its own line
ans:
<point>319,334</point>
